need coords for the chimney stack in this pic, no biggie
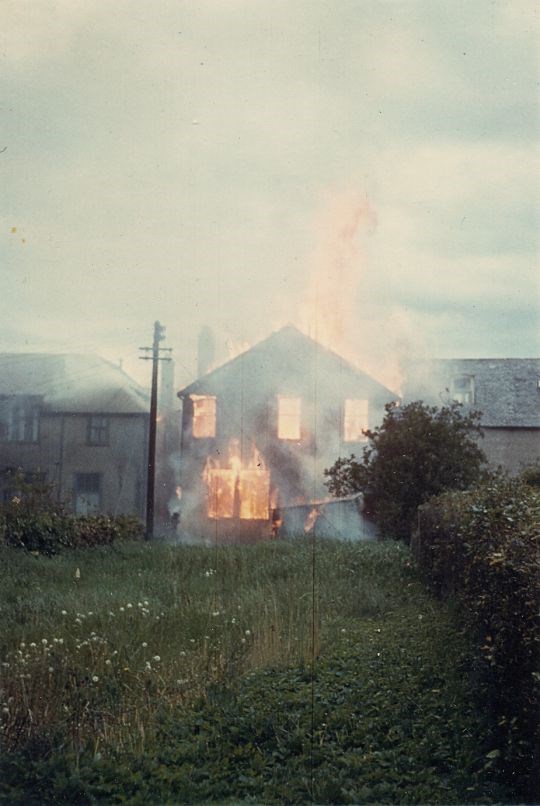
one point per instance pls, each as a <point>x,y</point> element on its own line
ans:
<point>206,350</point>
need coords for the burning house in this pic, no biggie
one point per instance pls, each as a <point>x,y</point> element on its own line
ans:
<point>258,431</point>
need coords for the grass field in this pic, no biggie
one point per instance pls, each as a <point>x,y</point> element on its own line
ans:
<point>272,673</point>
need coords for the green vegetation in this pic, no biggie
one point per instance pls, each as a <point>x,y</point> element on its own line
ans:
<point>36,521</point>
<point>284,673</point>
<point>417,452</point>
<point>483,547</point>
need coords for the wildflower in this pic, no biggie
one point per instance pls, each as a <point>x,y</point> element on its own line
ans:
<point>129,605</point>
<point>233,621</point>
<point>51,670</point>
<point>108,662</point>
<point>247,632</point>
<point>215,613</point>
<point>182,653</point>
<point>33,644</point>
<point>6,710</point>
<point>90,612</point>
<point>115,652</point>
<point>15,500</point>
<point>145,603</point>
<point>77,573</point>
<point>157,658</point>
<point>95,678</point>
<point>147,665</point>
<point>44,641</point>
<point>144,644</point>
<point>22,645</point>
<point>343,630</point>
<point>243,640</point>
<point>64,612</point>
<point>78,621</point>
<point>122,609</point>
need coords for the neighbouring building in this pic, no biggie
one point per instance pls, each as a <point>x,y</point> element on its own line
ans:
<point>258,432</point>
<point>76,422</point>
<point>505,390</point>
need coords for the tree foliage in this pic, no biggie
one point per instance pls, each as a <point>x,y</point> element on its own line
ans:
<point>417,452</point>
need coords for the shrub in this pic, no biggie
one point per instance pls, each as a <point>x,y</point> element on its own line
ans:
<point>483,547</point>
<point>419,451</point>
<point>34,520</point>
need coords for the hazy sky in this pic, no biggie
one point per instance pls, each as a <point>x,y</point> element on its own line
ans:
<point>365,168</point>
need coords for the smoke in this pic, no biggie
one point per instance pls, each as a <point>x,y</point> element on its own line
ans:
<point>343,306</point>
<point>335,269</point>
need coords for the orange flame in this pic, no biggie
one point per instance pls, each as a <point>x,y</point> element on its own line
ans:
<point>238,490</point>
<point>311,519</point>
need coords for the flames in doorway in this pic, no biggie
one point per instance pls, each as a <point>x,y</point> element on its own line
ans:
<point>238,489</point>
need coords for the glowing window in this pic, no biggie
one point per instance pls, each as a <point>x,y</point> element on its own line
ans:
<point>289,417</point>
<point>204,416</point>
<point>355,420</point>
<point>463,389</point>
<point>221,484</point>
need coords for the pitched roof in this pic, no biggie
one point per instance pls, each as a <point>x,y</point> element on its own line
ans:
<point>286,352</point>
<point>72,382</point>
<point>506,390</point>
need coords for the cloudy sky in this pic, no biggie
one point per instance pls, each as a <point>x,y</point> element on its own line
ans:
<point>366,169</point>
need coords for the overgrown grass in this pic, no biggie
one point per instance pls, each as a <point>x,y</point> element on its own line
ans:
<point>279,672</point>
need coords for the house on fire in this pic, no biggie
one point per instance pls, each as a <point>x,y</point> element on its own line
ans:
<point>258,431</point>
<point>76,422</point>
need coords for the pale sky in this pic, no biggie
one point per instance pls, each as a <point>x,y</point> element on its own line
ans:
<point>365,169</point>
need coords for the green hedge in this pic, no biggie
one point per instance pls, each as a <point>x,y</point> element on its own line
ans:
<point>48,531</point>
<point>482,546</point>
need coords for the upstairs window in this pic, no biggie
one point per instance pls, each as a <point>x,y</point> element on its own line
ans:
<point>289,409</point>
<point>19,420</point>
<point>204,416</point>
<point>463,389</point>
<point>355,420</point>
<point>98,430</point>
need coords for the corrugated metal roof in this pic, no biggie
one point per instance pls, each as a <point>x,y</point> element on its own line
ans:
<point>506,390</point>
<point>71,382</point>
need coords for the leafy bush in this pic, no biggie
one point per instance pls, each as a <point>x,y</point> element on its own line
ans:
<point>531,474</point>
<point>483,547</point>
<point>34,520</point>
<point>419,451</point>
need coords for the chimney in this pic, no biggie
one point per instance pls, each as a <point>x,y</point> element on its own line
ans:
<point>166,386</point>
<point>206,350</point>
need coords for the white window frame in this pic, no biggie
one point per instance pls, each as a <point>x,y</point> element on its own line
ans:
<point>289,424</point>
<point>355,419</point>
<point>204,423</point>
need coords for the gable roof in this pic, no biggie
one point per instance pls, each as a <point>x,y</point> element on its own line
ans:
<point>72,383</point>
<point>285,353</point>
<point>506,390</point>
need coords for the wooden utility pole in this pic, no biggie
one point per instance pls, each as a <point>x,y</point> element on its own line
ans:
<point>155,358</point>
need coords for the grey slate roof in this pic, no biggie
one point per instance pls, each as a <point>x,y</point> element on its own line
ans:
<point>506,389</point>
<point>72,382</point>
